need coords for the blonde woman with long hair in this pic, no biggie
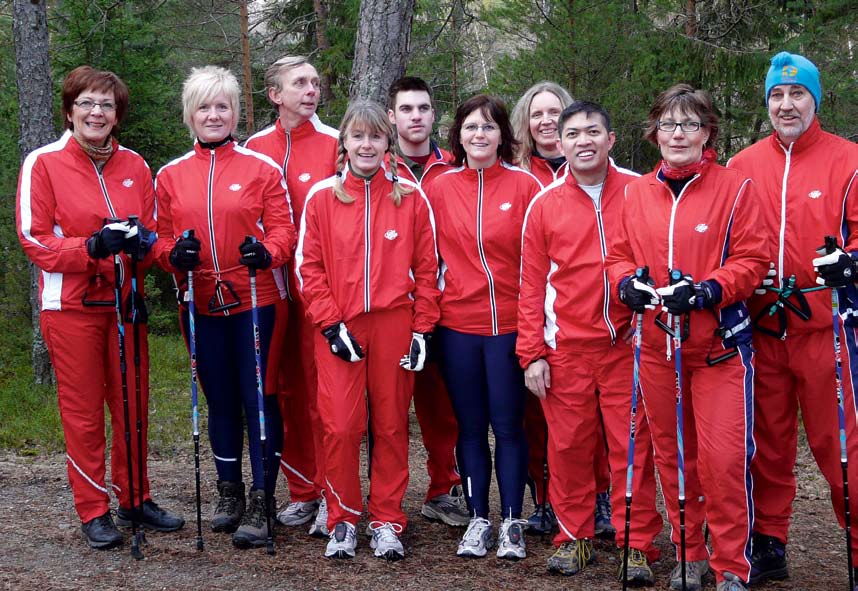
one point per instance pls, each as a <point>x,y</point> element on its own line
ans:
<point>366,265</point>
<point>534,123</point>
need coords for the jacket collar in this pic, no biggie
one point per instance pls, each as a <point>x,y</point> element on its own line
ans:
<point>804,142</point>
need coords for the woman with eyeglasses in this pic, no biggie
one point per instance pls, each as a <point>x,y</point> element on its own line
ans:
<point>75,197</point>
<point>479,207</point>
<point>224,215</point>
<point>696,226</point>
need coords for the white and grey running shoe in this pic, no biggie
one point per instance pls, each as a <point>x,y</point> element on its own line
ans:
<point>477,540</point>
<point>319,528</point>
<point>298,513</point>
<point>385,540</point>
<point>343,541</point>
<point>511,539</point>
<point>449,508</point>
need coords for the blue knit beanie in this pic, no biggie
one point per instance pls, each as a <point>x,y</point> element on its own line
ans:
<point>791,68</point>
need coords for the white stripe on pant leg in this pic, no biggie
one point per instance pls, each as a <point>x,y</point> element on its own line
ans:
<point>87,478</point>
<point>217,457</point>
<point>340,501</point>
<point>296,473</point>
<point>563,527</point>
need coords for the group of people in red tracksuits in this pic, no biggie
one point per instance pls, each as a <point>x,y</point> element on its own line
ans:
<point>602,323</point>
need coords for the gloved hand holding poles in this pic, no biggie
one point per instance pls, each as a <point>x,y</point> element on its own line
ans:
<point>109,240</point>
<point>415,359</point>
<point>343,343</point>
<point>185,255</point>
<point>836,268</point>
<point>638,293</point>
<point>254,254</point>
<point>684,295</point>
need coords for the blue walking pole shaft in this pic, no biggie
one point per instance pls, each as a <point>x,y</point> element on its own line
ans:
<point>195,408</point>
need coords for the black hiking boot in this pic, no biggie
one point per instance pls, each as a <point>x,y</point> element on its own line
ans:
<point>768,559</point>
<point>230,506</point>
<point>151,517</point>
<point>253,531</point>
<point>101,532</point>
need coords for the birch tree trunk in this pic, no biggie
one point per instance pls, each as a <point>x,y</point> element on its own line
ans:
<point>381,48</point>
<point>35,128</point>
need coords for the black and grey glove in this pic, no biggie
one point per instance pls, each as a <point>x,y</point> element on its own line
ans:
<point>684,295</point>
<point>107,241</point>
<point>139,240</point>
<point>415,359</point>
<point>638,294</point>
<point>343,343</point>
<point>185,255</point>
<point>835,268</point>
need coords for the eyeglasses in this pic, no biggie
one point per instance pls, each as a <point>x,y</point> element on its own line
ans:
<point>486,128</point>
<point>686,126</point>
<point>88,105</point>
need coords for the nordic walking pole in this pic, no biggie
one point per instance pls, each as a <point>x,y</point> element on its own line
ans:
<point>123,371</point>
<point>680,445</point>
<point>195,409</point>
<point>260,401</point>
<point>642,274</point>
<point>138,404</point>
<point>831,246</point>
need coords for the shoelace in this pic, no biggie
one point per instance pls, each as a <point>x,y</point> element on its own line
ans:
<point>227,505</point>
<point>637,558</point>
<point>474,534</point>
<point>603,506</point>
<point>256,514</point>
<point>385,531</point>
<point>584,551</point>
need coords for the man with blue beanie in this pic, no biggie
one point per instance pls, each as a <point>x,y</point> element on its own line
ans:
<point>808,183</point>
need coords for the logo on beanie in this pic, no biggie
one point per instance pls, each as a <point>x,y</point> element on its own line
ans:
<point>789,72</point>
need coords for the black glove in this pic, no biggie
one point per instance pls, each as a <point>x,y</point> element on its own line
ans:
<point>254,254</point>
<point>835,268</point>
<point>342,343</point>
<point>638,295</point>
<point>107,241</point>
<point>138,240</point>
<point>185,255</point>
<point>685,295</point>
<point>416,356</point>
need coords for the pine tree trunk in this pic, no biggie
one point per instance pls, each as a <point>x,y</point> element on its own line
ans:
<point>323,44</point>
<point>35,113</point>
<point>381,48</point>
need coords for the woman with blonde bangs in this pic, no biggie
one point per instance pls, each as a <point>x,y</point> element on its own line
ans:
<point>210,201</point>
<point>367,266</point>
<point>534,122</point>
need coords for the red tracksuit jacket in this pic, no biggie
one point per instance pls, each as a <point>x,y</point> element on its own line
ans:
<point>565,298</point>
<point>223,195</point>
<point>541,169</point>
<point>354,258</point>
<point>480,213</point>
<point>713,230</point>
<point>809,189</point>
<point>62,200</point>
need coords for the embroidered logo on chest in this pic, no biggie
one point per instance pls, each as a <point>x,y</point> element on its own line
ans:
<point>506,206</point>
<point>127,183</point>
<point>391,234</point>
<point>701,228</point>
<point>304,177</point>
<point>235,187</point>
<point>815,194</point>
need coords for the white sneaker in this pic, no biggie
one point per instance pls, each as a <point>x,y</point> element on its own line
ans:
<point>511,539</point>
<point>385,540</point>
<point>298,513</point>
<point>319,529</point>
<point>478,538</point>
<point>343,541</point>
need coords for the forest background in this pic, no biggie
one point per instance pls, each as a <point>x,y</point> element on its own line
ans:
<point>618,53</point>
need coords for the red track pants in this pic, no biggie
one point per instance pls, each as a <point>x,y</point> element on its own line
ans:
<point>345,391</point>
<point>717,431</point>
<point>84,351</point>
<point>438,428</point>
<point>799,372</point>
<point>572,411</point>
<point>302,460</point>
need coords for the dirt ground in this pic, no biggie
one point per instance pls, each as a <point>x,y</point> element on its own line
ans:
<point>42,548</point>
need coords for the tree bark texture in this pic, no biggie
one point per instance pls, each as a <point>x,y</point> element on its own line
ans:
<point>381,48</point>
<point>35,115</point>
<point>247,76</point>
<point>324,45</point>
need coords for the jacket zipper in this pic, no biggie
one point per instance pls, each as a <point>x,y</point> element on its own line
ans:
<point>673,207</point>
<point>112,211</point>
<point>367,246</point>
<point>285,167</point>
<point>210,212</point>
<point>606,305</point>
<point>485,263</point>
<point>782,230</point>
